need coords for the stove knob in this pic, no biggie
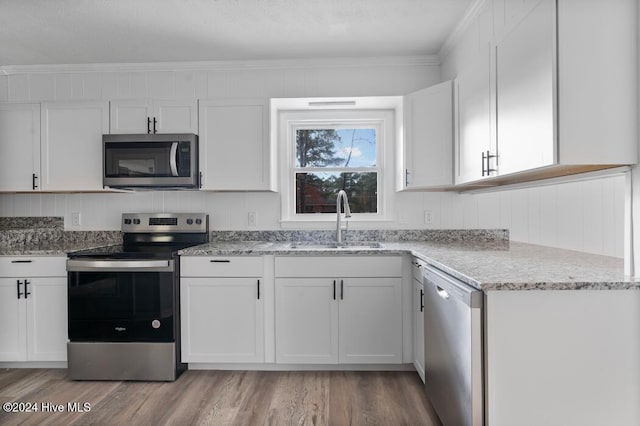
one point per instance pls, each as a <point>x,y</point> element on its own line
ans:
<point>198,221</point>
<point>136,221</point>
<point>189,221</point>
<point>127,221</point>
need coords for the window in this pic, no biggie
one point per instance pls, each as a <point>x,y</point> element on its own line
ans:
<point>324,150</point>
<point>332,157</point>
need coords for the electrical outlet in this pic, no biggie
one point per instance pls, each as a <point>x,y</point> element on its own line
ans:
<point>252,219</point>
<point>75,219</point>
<point>428,217</point>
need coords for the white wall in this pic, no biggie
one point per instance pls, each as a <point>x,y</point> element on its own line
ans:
<point>586,215</point>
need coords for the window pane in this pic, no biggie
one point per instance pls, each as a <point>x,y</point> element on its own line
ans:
<point>317,192</point>
<point>336,148</point>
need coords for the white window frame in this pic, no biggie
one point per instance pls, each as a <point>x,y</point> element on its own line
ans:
<point>380,113</point>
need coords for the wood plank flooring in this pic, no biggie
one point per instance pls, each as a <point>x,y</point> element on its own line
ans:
<point>222,398</point>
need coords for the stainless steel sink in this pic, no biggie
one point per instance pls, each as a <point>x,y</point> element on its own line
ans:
<point>347,245</point>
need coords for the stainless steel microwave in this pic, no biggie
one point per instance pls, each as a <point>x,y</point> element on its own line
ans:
<point>148,161</point>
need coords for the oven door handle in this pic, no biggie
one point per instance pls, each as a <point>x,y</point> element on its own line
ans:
<point>173,159</point>
<point>74,265</point>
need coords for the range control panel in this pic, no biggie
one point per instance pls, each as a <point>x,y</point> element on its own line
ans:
<point>165,222</point>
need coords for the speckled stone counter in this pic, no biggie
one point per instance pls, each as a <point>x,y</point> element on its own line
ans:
<point>490,264</point>
<point>45,236</point>
<point>482,258</point>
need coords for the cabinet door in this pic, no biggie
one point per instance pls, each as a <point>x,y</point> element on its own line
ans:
<point>176,116</point>
<point>13,338</point>
<point>370,320</point>
<point>525,92</point>
<point>418,327</point>
<point>72,145</point>
<point>472,92</point>
<point>306,321</point>
<point>47,319</point>
<point>131,116</point>
<point>222,320</point>
<point>19,146</point>
<point>428,145</point>
<point>235,149</point>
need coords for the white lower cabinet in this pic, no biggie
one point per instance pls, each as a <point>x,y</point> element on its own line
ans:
<point>222,309</point>
<point>371,321</point>
<point>33,327</point>
<point>352,318</point>
<point>418,317</point>
<point>558,357</point>
<point>306,321</point>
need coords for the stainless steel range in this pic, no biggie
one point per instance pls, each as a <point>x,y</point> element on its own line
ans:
<point>124,301</point>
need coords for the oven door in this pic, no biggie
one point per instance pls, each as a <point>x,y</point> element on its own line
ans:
<point>122,300</point>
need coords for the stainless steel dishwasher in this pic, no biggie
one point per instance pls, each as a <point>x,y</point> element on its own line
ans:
<point>453,348</point>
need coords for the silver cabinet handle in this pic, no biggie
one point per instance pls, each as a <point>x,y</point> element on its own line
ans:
<point>120,265</point>
<point>173,160</point>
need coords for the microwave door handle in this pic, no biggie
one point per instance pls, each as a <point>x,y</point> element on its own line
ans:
<point>173,159</point>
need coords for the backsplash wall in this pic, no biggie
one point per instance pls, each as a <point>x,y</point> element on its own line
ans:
<point>585,216</point>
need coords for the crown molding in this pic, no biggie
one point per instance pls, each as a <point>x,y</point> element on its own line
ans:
<point>386,61</point>
<point>459,30</point>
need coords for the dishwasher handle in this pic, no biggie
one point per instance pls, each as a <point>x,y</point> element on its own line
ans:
<point>442,292</point>
<point>450,288</point>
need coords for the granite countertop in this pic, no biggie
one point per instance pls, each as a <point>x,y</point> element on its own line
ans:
<point>484,259</point>
<point>486,265</point>
<point>55,248</point>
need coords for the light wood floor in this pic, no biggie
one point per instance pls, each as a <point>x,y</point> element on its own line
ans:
<point>223,398</point>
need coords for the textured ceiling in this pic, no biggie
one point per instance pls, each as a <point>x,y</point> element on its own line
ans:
<point>132,31</point>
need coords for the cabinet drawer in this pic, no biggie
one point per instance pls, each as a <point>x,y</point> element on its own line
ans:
<point>342,267</point>
<point>33,266</point>
<point>221,266</point>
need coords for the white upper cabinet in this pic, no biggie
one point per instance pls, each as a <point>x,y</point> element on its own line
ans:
<point>154,116</point>
<point>474,145</point>
<point>19,147</point>
<point>560,96</point>
<point>525,92</point>
<point>235,148</point>
<point>72,145</point>
<point>427,149</point>
<point>598,85</point>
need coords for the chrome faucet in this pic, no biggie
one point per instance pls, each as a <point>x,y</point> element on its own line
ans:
<point>342,196</point>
